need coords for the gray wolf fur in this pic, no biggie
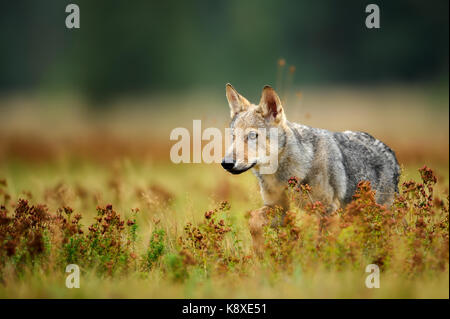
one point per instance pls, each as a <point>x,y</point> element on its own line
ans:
<point>332,163</point>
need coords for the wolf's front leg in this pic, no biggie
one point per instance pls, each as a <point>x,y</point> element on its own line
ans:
<point>258,219</point>
<point>275,205</point>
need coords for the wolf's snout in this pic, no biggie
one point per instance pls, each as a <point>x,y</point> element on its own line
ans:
<point>227,165</point>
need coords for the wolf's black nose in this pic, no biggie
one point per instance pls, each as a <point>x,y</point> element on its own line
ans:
<point>227,165</point>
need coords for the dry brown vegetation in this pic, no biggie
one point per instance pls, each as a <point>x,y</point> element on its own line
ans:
<point>101,192</point>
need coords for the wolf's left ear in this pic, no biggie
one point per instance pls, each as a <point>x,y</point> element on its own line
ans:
<point>270,105</point>
<point>237,102</point>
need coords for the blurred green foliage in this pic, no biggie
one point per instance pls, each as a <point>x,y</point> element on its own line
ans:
<point>127,47</point>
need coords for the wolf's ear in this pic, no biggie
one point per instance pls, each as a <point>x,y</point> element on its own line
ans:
<point>237,102</point>
<point>270,105</point>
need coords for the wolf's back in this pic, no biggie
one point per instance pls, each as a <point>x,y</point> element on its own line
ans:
<point>366,158</point>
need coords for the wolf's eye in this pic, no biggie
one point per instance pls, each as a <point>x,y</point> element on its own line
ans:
<point>252,135</point>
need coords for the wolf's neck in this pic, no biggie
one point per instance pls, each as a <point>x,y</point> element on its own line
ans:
<point>294,160</point>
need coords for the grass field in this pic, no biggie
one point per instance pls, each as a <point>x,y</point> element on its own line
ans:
<point>100,192</point>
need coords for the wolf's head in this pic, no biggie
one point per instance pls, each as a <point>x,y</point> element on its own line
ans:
<point>258,132</point>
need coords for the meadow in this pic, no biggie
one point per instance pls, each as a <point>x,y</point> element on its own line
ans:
<point>98,190</point>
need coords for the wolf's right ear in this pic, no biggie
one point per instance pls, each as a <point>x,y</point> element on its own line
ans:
<point>237,102</point>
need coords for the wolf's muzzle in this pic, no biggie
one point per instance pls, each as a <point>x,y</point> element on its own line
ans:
<point>230,167</point>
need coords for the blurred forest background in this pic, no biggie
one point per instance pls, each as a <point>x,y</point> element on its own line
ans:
<point>139,69</point>
<point>145,46</point>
